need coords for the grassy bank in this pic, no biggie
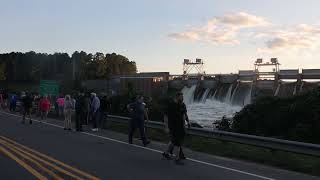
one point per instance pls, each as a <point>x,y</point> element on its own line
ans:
<point>285,160</point>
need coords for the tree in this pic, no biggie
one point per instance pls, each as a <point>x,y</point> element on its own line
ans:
<point>3,75</point>
<point>119,65</point>
<point>100,64</point>
<point>31,67</point>
<point>295,118</point>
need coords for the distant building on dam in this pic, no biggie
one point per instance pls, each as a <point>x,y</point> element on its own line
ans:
<point>145,83</point>
<point>148,83</point>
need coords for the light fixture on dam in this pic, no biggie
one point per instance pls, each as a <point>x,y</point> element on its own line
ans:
<point>274,60</point>
<point>268,74</point>
<point>196,65</point>
<point>259,61</point>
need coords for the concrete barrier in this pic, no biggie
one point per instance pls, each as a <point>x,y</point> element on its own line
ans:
<point>310,73</point>
<point>247,75</point>
<point>289,74</point>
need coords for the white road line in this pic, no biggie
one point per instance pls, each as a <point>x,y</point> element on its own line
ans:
<point>153,150</point>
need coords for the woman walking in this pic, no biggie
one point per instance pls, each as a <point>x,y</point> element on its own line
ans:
<point>68,107</point>
<point>44,107</point>
<point>60,103</point>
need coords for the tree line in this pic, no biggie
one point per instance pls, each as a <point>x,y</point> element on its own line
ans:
<point>295,118</point>
<point>32,66</point>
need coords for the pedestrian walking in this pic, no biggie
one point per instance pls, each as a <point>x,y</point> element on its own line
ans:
<point>1,100</point>
<point>80,111</point>
<point>5,100</point>
<point>36,102</point>
<point>176,115</point>
<point>68,107</point>
<point>73,98</point>
<point>95,111</point>
<point>13,102</point>
<point>60,103</point>
<point>138,115</point>
<point>86,109</point>
<point>26,106</point>
<point>44,106</point>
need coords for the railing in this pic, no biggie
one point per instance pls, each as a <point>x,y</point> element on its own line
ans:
<point>259,141</point>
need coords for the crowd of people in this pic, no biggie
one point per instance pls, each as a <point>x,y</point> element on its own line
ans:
<point>84,106</point>
<point>89,108</point>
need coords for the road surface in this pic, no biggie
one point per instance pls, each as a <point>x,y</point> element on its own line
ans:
<point>45,151</point>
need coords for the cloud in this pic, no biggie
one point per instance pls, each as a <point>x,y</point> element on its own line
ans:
<point>221,30</point>
<point>185,36</point>
<point>228,28</point>
<point>298,37</point>
<point>243,20</point>
<point>308,29</point>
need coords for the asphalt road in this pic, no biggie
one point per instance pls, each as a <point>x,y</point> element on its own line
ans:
<point>106,155</point>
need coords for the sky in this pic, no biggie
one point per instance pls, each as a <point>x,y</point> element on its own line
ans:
<point>229,35</point>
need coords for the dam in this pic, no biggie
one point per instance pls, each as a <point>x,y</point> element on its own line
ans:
<point>209,97</point>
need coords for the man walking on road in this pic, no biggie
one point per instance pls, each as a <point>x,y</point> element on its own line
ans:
<point>26,106</point>
<point>86,109</point>
<point>138,115</point>
<point>95,111</point>
<point>13,102</point>
<point>176,115</point>
<point>80,111</point>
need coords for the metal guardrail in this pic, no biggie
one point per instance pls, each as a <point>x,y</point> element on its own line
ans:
<point>259,141</point>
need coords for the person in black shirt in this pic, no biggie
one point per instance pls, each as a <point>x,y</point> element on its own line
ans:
<point>138,117</point>
<point>26,106</point>
<point>81,110</point>
<point>176,115</point>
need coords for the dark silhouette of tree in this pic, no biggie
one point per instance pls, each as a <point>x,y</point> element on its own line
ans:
<point>32,67</point>
<point>295,118</point>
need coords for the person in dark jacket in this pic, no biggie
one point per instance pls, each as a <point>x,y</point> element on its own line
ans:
<point>13,102</point>
<point>86,110</point>
<point>26,106</point>
<point>103,110</point>
<point>138,116</point>
<point>80,111</point>
<point>176,115</point>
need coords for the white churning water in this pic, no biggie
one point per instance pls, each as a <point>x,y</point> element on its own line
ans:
<point>208,110</point>
<point>212,110</point>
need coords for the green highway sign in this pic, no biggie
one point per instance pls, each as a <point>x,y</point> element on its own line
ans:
<point>49,87</point>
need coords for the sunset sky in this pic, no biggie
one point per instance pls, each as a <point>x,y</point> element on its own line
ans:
<point>227,34</point>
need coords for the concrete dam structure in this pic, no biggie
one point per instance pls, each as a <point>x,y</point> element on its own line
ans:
<point>240,89</point>
<point>212,97</point>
